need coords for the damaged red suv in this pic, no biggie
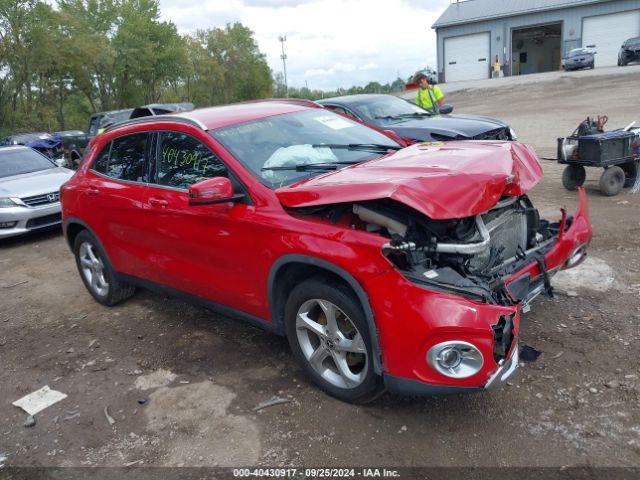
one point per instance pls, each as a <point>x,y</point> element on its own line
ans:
<point>385,267</point>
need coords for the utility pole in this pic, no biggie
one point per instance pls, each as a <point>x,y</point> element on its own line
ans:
<point>284,65</point>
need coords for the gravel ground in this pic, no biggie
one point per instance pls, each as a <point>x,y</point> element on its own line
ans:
<point>181,383</point>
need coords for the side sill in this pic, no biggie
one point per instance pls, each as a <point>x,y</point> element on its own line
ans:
<point>203,302</point>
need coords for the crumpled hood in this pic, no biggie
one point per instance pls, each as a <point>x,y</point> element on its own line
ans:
<point>443,180</point>
<point>467,126</point>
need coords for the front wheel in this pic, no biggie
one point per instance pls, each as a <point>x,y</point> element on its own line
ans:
<point>573,177</point>
<point>329,337</point>
<point>97,273</point>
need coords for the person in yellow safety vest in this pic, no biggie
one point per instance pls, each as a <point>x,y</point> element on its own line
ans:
<point>428,95</point>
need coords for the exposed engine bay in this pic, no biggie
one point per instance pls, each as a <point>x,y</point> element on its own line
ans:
<point>466,256</point>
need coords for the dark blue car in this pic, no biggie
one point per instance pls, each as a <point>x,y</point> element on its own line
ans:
<point>579,58</point>
<point>629,52</point>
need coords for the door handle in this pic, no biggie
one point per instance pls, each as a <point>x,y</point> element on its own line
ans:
<point>158,202</point>
<point>93,190</point>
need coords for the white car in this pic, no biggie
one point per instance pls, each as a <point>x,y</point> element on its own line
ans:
<point>29,191</point>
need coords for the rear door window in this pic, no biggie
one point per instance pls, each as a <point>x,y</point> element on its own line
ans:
<point>183,160</point>
<point>125,158</point>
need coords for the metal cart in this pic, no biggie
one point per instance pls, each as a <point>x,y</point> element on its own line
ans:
<point>616,152</point>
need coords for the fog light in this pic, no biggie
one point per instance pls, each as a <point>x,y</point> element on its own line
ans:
<point>8,224</point>
<point>577,257</point>
<point>455,359</point>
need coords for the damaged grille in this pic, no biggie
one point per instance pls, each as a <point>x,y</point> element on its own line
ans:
<point>502,338</point>
<point>497,134</point>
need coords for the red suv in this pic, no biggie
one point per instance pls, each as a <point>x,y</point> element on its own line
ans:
<point>385,267</point>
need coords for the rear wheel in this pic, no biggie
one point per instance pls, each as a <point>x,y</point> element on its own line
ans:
<point>329,337</point>
<point>573,176</point>
<point>612,181</point>
<point>97,273</point>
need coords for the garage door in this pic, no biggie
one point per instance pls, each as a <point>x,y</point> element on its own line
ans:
<point>466,57</point>
<point>607,32</point>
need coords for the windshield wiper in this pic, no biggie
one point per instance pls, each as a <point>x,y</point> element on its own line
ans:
<point>306,167</point>
<point>375,147</point>
<point>416,114</point>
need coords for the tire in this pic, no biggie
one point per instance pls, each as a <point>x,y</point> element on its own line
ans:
<point>573,177</point>
<point>343,364</point>
<point>97,273</point>
<point>612,181</point>
<point>630,173</point>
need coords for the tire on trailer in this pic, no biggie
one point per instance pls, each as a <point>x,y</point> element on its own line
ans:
<point>329,336</point>
<point>97,274</point>
<point>630,173</point>
<point>573,177</point>
<point>612,181</point>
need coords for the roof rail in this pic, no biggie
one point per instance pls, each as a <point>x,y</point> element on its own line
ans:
<point>296,101</point>
<point>151,118</point>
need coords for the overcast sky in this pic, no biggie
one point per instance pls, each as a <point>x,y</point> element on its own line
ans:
<point>330,43</point>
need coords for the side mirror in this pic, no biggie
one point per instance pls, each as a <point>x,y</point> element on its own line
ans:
<point>445,109</point>
<point>211,191</point>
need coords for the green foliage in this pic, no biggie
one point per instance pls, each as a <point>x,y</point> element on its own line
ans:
<point>58,65</point>
<point>372,87</point>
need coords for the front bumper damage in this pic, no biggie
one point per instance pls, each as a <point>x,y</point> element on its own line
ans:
<point>419,318</point>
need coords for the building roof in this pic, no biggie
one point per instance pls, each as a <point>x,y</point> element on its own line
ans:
<point>467,11</point>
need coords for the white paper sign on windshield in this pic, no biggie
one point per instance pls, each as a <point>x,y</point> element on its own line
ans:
<point>334,122</point>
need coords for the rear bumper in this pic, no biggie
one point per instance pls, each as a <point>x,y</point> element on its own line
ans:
<point>28,219</point>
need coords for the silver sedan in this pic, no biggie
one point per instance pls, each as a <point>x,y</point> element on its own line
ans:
<point>29,191</point>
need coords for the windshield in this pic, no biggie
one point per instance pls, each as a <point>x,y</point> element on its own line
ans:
<point>633,42</point>
<point>16,162</point>
<point>577,53</point>
<point>389,109</point>
<point>277,149</point>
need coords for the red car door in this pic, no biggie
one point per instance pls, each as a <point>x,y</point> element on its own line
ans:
<point>114,193</point>
<point>204,250</point>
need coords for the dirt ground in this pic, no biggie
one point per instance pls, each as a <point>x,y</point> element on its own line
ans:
<point>181,383</point>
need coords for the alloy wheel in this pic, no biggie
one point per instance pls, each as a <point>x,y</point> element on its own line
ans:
<point>93,269</point>
<point>331,343</point>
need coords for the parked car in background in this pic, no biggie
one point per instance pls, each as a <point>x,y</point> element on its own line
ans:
<point>29,191</point>
<point>101,120</point>
<point>74,142</point>
<point>160,109</point>
<point>46,143</point>
<point>629,52</point>
<point>579,58</point>
<point>385,267</point>
<point>414,123</point>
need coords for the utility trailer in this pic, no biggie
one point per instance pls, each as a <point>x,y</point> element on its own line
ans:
<point>617,152</point>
